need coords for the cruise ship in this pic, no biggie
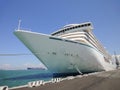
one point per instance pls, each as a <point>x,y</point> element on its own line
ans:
<point>73,49</point>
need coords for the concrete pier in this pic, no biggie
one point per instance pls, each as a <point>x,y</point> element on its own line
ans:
<point>109,80</point>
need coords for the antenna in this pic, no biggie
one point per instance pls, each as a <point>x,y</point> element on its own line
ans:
<point>19,24</point>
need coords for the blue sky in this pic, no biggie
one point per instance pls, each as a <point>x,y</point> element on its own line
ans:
<point>46,16</point>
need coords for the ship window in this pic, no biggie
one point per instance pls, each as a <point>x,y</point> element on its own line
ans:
<point>63,31</point>
<point>55,38</point>
<point>82,25</point>
<point>73,27</point>
<point>70,41</point>
<point>76,27</point>
<point>54,53</point>
<point>89,24</point>
<point>66,54</point>
<point>57,32</point>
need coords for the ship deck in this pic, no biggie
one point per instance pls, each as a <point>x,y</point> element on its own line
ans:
<point>109,80</point>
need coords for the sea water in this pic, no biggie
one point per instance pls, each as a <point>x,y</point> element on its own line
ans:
<point>13,78</point>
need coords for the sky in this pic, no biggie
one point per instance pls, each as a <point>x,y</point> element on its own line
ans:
<point>47,16</point>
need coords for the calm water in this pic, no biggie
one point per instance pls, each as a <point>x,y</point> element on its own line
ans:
<point>14,78</point>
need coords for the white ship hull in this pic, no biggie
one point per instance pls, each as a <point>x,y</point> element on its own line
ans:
<point>61,56</point>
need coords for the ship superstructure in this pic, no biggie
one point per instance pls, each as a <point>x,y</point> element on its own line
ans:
<point>72,49</point>
<point>82,33</point>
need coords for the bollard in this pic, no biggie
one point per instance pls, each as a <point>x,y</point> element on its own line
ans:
<point>32,84</point>
<point>41,82</point>
<point>58,79</point>
<point>35,83</point>
<point>3,87</point>
<point>54,80</point>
